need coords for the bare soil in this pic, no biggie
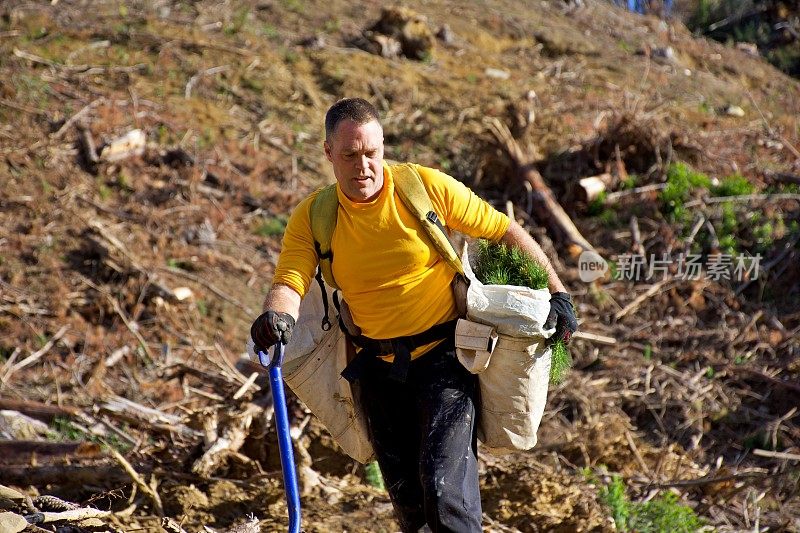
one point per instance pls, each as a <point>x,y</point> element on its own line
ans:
<point>231,97</point>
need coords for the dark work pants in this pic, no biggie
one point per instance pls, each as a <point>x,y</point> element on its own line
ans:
<point>424,435</point>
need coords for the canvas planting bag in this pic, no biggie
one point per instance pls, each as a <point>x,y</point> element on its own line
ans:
<point>313,361</point>
<point>504,341</point>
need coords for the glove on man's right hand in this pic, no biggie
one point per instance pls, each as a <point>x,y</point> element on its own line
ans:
<point>271,327</point>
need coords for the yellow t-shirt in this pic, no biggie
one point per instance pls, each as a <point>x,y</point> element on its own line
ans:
<point>392,278</point>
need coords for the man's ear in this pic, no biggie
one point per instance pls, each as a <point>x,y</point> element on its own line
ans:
<point>327,148</point>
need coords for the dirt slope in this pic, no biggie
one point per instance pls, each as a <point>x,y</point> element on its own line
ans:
<point>231,97</point>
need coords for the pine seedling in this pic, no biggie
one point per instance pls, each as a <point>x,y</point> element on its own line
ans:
<point>498,264</point>
<point>373,475</point>
<point>560,363</point>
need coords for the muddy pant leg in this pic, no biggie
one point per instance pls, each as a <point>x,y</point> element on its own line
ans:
<point>448,468</point>
<point>394,431</point>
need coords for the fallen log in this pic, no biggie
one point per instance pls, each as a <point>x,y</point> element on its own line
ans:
<point>72,475</point>
<point>22,451</point>
<point>545,206</point>
<point>41,411</point>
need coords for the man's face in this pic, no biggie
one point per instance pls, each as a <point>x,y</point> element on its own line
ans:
<point>356,152</point>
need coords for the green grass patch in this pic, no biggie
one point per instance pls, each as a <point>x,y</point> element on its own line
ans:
<point>271,227</point>
<point>498,264</point>
<point>663,514</point>
<point>237,22</point>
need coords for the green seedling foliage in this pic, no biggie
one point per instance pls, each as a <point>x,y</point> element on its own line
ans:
<point>597,206</point>
<point>560,363</point>
<point>681,181</point>
<point>62,429</point>
<point>498,264</point>
<point>648,352</point>
<point>734,185</point>
<point>373,476</point>
<point>496,261</point>
<point>613,495</point>
<point>663,514</point>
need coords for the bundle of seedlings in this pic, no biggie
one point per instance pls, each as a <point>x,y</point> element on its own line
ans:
<point>498,264</point>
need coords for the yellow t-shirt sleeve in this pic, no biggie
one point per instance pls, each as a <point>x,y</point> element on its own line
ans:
<point>298,260</point>
<point>462,209</point>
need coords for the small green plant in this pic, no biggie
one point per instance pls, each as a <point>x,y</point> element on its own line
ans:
<point>202,307</point>
<point>163,134</point>
<point>648,352</point>
<point>269,31</point>
<point>597,206</point>
<point>237,21</point>
<point>705,107</point>
<point>629,182</point>
<point>62,429</point>
<point>124,181</point>
<point>331,26</point>
<point>373,476</point>
<point>663,514</point>
<point>498,264</point>
<point>734,185</point>
<point>681,181</point>
<point>613,495</point>
<point>727,235</point>
<point>296,6</point>
<point>271,227</point>
<point>255,85</point>
<point>291,57</point>
<point>104,192</point>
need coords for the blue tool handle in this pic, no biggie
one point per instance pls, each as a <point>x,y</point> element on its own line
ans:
<point>284,437</point>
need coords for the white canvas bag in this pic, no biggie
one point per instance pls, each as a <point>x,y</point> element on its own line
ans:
<point>514,371</point>
<point>312,366</point>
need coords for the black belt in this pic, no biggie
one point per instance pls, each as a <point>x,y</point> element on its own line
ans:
<point>401,347</point>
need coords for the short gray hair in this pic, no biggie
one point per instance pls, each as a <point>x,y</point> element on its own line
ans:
<point>356,109</point>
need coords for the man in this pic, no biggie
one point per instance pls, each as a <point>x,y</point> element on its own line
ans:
<point>421,420</point>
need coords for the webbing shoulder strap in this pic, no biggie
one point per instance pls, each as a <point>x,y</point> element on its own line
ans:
<point>411,190</point>
<point>324,212</point>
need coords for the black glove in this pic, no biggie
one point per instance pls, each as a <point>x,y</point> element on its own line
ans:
<point>269,328</point>
<point>562,317</point>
